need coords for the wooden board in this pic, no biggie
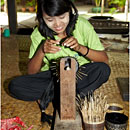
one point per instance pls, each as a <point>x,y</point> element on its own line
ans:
<point>123,84</point>
<point>67,90</point>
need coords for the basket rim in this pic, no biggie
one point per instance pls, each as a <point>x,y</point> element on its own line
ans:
<point>94,123</point>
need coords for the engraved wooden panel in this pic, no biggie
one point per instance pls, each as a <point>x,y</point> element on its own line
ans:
<point>67,89</point>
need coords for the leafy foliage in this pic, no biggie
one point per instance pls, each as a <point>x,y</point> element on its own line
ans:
<point>116,5</point>
<point>119,3</point>
<point>2,3</point>
<point>31,3</point>
<point>113,10</point>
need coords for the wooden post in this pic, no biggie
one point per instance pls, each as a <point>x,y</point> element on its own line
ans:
<point>67,89</point>
<point>12,16</point>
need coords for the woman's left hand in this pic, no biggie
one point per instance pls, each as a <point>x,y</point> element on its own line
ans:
<point>72,43</point>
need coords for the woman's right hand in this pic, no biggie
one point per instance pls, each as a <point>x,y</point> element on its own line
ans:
<point>49,46</point>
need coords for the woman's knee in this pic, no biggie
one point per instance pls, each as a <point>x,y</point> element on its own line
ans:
<point>105,70</point>
<point>18,91</point>
<point>15,86</point>
<point>12,87</point>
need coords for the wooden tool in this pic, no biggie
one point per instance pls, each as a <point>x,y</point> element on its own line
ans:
<point>67,88</point>
<point>69,119</point>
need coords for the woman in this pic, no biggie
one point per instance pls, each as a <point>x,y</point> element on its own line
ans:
<point>59,21</point>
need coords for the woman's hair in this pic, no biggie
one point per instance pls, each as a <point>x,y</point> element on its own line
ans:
<point>55,8</point>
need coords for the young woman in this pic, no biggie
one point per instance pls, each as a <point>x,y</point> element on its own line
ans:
<point>59,21</point>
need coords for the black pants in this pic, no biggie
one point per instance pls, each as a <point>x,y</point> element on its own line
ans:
<point>32,87</point>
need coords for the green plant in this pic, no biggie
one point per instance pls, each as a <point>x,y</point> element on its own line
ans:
<point>2,3</point>
<point>97,3</point>
<point>97,9</point>
<point>116,5</point>
<point>113,10</point>
<point>119,3</point>
<point>31,3</point>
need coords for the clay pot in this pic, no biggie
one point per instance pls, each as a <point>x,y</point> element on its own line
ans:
<point>23,9</point>
<point>31,9</point>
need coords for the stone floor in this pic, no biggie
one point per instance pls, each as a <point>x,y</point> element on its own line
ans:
<point>14,60</point>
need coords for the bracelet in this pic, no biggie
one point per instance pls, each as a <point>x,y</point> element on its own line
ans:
<point>86,52</point>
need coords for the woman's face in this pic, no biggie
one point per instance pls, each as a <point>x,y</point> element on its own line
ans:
<point>57,23</point>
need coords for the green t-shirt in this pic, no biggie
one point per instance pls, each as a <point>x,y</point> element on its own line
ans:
<point>83,32</point>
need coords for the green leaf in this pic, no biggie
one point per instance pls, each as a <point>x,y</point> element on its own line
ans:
<point>113,10</point>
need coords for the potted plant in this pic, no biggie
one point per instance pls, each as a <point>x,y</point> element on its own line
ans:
<point>97,9</point>
<point>31,4</point>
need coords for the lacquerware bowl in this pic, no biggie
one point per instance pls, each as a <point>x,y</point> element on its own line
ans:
<point>115,107</point>
<point>116,121</point>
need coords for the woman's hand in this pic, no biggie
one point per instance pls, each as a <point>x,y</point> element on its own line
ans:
<point>49,46</point>
<point>93,55</point>
<point>72,43</point>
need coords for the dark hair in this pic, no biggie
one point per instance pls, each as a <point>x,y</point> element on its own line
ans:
<point>55,8</point>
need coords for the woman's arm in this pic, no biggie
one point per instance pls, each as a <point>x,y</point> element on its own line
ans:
<point>93,55</point>
<point>34,65</point>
